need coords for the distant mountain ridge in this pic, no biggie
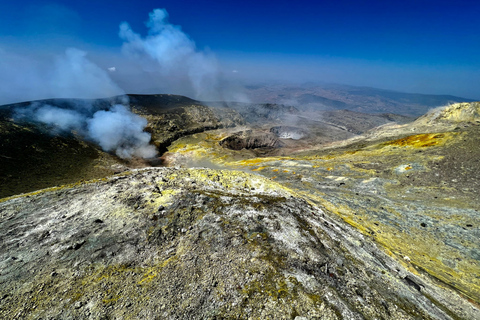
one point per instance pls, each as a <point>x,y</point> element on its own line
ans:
<point>303,97</point>
<point>361,99</point>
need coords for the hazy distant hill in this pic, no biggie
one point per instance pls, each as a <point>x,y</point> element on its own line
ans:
<point>362,99</point>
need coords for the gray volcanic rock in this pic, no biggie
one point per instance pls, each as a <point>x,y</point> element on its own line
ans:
<point>198,244</point>
<point>383,226</point>
<point>171,117</point>
<point>251,139</point>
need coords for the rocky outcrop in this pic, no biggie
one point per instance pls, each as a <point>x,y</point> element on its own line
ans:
<point>198,244</point>
<point>171,117</point>
<point>251,139</point>
<point>383,225</point>
<point>454,113</point>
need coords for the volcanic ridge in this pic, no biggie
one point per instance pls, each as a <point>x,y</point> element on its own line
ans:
<point>249,211</point>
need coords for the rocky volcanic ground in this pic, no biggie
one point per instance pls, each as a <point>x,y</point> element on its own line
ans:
<point>302,215</point>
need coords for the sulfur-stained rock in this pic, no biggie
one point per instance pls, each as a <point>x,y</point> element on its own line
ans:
<point>412,189</point>
<point>199,244</point>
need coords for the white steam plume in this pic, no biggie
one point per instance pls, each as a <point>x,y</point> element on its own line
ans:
<point>74,76</point>
<point>116,130</point>
<point>121,131</point>
<point>176,56</point>
<point>70,75</point>
<point>59,119</point>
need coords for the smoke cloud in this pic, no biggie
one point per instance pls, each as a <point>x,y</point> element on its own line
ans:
<point>69,75</point>
<point>60,119</point>
<point>166,51</point>
<point>72,75</point>
<point>121,131</point>
<point>115,130</point>
<point>75,76</point>
<point>170,52</point>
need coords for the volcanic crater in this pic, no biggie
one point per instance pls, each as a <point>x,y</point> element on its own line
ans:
<point>257,211</point>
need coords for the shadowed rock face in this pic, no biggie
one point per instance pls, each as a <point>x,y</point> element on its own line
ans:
<point>250,140</point>
<point>31,158</point>
<point>198,244</point>
<point>171,117</point>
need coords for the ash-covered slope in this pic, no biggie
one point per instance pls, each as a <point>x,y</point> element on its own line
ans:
<point>383,225</point>
<point>452,114</point>
<point>31,158</point>
<point>199,244</point>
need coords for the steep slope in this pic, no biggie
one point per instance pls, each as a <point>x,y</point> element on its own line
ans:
<point>32,158</point>
<point>196,243</point>
<point>383,224</point>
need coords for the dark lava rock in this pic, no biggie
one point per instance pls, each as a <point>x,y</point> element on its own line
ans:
<point>250,139</point>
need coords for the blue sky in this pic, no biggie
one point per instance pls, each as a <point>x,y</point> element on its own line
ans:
<point>415,46</point>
